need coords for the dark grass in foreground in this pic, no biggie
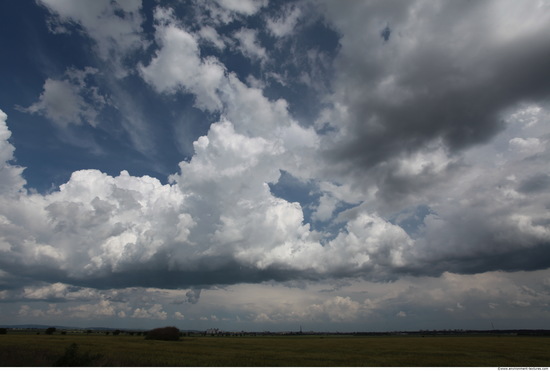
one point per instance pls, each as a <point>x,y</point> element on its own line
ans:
<point>464,351</point>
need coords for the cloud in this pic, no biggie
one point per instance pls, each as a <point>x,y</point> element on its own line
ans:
<point>11,178</point>
<point>338,309</point>
<point>59,102</point>
<point>27,311</point>
<point>210,35</point>
<point>59,292</point>
<point>102,308</point>
<point>427,84</point>
<point>527,145</point>
<point>178,65</point>
<point>221,13</point>
<point>326,208</point>
<point>99,215</point>
<point>100,230</point>
<point>218,216</point>
<point>424,169</point>
<point>246,7</point>
<point>78,97</point>
<point>193,296</point>
<point>536,183</point>
<point>215,88</point>
<point>218,222</point>
<point>70,101</point>
<point>456,301</point>
<point>285,24</point>
<point>115,26</point>
<point>368,244</point>
<point>243,218</point>
<point>154,312</point>
<point>249,45</point>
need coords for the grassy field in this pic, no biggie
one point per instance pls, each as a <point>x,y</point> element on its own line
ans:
<point>398,351</point>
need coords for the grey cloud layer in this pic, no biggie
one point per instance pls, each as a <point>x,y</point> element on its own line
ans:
<point>448,76</point>
<point>442,82</point>
<point>508,299</point>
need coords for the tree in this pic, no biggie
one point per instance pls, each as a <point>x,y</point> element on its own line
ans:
<point>50,330</point>
<point>3,331</point>
<point>164,333</point>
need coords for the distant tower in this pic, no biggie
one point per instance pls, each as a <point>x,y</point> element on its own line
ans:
<point>300,329</point>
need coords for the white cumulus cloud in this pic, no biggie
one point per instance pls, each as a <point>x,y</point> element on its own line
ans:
<point>178,65</point>
<point>11,179</point>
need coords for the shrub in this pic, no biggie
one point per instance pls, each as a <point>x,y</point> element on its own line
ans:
<point>50,330</point>
<point>3,331</point>
<point>164,333</point>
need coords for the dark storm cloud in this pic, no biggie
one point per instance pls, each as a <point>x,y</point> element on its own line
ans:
<point>157,273</point>
<point>531,259</point>
<point>453,84</point>
<point>228,273</point>
<point>395,189</point>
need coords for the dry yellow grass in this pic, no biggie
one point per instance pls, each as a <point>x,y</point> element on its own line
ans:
<point>124,350</point>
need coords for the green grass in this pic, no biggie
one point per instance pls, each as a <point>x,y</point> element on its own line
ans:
<point>326,351</point>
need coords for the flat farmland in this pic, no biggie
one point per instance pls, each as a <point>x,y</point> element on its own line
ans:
<point>319,351</point>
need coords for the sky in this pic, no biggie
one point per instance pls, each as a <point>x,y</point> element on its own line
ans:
<point>270,165</point>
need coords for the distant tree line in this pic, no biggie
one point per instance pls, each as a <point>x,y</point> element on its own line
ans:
<point>164,333</point>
